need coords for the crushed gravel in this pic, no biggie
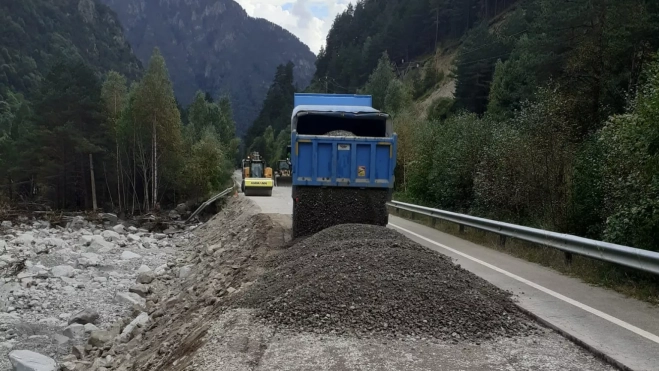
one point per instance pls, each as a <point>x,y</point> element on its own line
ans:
<point>368,280</point>
<point>319,208</point>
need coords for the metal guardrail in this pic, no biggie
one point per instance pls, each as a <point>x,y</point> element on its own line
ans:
<point>631,257</point>
<point>210,201</point>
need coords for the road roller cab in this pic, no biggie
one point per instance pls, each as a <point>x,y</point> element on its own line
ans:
<point>257,177</point>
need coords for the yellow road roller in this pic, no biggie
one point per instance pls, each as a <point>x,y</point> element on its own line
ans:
<point>257,177</point>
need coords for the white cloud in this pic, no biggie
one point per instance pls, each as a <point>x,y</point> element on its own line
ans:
<point>299,17</point>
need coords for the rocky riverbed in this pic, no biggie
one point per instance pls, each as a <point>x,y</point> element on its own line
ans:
<point>59,285</point>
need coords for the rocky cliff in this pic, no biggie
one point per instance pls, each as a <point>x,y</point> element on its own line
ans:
<point>214,46</point>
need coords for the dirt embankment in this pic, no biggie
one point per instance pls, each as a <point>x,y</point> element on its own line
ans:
<point>219,260</point>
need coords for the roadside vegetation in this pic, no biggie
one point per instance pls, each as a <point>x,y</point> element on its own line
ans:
<point>127,143</point>
<point>546,115</point>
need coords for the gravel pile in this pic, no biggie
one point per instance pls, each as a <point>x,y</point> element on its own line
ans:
<point>340,133</point>
<point>319,208</point>
<point>364,280</point>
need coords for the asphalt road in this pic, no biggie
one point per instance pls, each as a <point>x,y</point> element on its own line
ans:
<point>623,330</point>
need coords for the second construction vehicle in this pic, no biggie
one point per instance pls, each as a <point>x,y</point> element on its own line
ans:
<point>282,175</point>
<point>257,177</point>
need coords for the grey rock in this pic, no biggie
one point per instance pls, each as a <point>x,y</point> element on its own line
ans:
<point>55,242</point>
<point>212,248</point>
<point>78,351</point>
<point>61,339</point>
<point>101,245</point>
<point>130,299</point>
<point>160,270</point>
<point>6,224</point>
<point>100,337</point>
<point>27,360</point>
<point>40,248</point>
<point>111,236</point>
<point>160,236</point>
<point>185,271</point>
<point>89,327</point>
<point>181,208</point>
<point>89,259</point>
<point>74,331</point>
<point>141,290</point>
<point>140,321</point>
<point>84,317</point>
<point>143,268</point>
<point>119,228</point>
<point>127,255</point>
<point>133,238</point>
<point>146,277</point>
<point>62,271</point>
<point>109,217</point>
<point>25,239</point>
<point>78,222</point>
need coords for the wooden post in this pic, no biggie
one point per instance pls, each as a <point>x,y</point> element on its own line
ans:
<point>91,171</point>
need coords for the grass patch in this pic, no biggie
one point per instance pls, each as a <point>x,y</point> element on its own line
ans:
<point>627,281</point>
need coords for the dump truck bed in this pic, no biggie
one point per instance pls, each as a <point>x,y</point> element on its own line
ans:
<point>343,156</point>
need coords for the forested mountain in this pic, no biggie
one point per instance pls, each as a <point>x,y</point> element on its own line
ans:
<point>34,34</point>
<point>83,126</point>
<point>406,29</point>
<point>553,119</point>
<point>214,46</point>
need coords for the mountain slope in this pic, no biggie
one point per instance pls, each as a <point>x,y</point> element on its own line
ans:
<point>34,33</point>
<point>214,46</point>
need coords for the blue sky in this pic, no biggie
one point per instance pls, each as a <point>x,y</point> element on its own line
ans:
<point>309,20</point>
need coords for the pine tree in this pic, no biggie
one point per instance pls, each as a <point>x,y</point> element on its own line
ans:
<point>379,81</point>
<point>113,95</point>
<point>69,119</point>
<point>155,106</point>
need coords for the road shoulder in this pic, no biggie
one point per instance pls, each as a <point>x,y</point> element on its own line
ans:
<point>589,314</point>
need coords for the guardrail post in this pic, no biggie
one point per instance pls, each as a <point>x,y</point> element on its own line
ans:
<point>502,240</point>
<point>568,258</point>
<point>434,221</point>
<point>462,228</point>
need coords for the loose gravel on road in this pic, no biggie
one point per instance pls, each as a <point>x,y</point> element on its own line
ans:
<point>367,280</point>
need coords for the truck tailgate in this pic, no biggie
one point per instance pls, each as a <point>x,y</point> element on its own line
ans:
<point>344,161</point>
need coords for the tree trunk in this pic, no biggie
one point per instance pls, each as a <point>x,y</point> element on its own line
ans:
<point>155,164</point>
<point>134,171</point>
<point>91,171</point>
<point>118,174</point>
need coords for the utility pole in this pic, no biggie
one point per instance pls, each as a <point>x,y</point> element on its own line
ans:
<point>326,90</point>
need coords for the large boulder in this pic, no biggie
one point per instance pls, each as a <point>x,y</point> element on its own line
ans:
<point>27,360</point>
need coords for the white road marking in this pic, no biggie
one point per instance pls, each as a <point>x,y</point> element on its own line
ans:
<point>621,323</point>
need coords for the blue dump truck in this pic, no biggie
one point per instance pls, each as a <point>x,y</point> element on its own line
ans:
<point>343,156</point>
